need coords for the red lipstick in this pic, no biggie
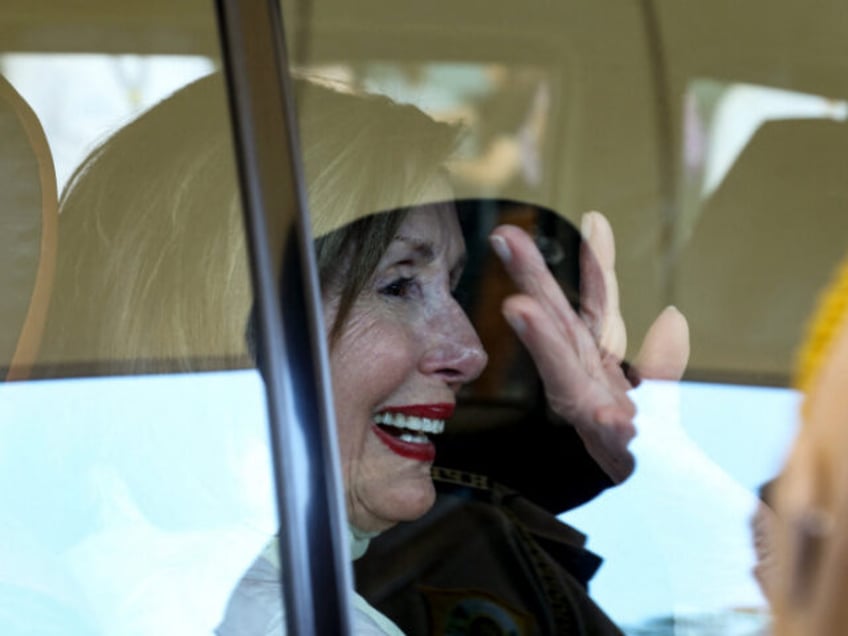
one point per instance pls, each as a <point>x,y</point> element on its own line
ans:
<point>424,451</point>
<point>418,452</point>
<point>431,411</point>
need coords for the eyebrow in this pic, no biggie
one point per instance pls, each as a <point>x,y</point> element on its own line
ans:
<point>425,251</point>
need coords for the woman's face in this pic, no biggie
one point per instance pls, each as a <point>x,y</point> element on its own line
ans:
<point>404,351</point>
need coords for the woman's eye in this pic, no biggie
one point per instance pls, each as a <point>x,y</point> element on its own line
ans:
<point>399,288</point>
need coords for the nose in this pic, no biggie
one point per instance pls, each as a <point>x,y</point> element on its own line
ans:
<point>453,350</point>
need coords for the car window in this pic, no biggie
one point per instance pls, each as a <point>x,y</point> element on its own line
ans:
<point>137,463</point>
<point>690,139</point>
<point>136,477</point>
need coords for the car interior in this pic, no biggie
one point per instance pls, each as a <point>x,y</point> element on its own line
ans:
<point>712,136</point>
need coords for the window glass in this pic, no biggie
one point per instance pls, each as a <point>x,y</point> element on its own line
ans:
<point>692,144</point>
<point>136,475</point>
<point>743,170</point>
<point>504,109</point>
<point>501,108</point>
<point>135,461</point>
<point>81,98</point>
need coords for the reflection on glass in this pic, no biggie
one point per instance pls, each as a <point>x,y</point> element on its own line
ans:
<point>133,504</point>
<point>504,109</point>
<point>81,98</point>
<point>683,523</point>
<point>137,503</point>
<point>721,118</point>
<point>762,209</point>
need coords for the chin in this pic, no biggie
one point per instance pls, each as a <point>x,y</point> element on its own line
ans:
<point>409,502</point>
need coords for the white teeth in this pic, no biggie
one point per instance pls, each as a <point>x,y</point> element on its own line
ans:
<point>414,439</point>
<point>418,424</point>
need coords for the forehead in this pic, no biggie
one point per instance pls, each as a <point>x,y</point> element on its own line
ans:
<point>434,226</point>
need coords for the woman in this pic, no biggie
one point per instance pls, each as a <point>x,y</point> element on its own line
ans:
<point>400,344</point>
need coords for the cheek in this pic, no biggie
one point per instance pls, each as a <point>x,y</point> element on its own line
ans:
<point>370,361</point>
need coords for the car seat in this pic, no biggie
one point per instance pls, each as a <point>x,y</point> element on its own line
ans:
<point>28,232</point>
<point>763,248</point>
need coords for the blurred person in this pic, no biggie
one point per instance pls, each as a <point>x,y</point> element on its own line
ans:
<point>809,534</point>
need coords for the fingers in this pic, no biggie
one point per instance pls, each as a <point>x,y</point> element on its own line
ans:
<point>665,350</point>
<point>567,362</point>
<point>584,384</point>
<point>587,391</point>
<point>542,337</point>
<point>559,341</point>
<point>608,442</point>
<point>527,268</point>
<point>664,353</point>
<point>599,303</point>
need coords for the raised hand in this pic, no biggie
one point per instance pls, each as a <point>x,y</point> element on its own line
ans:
<point>579,356</point>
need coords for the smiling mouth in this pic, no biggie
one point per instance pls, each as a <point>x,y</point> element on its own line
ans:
<point>409,428</point>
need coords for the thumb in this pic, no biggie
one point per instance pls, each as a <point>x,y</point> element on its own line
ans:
<point>665,349</point>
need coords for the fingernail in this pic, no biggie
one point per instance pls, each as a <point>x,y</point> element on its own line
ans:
<point>501,248</point>
<point>516,322</point>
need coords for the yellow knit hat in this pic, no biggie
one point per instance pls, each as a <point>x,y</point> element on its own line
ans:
<point>828,318</point>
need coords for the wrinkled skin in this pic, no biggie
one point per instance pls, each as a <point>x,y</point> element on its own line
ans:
<point>408,342</point>
<point>579,355</point>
